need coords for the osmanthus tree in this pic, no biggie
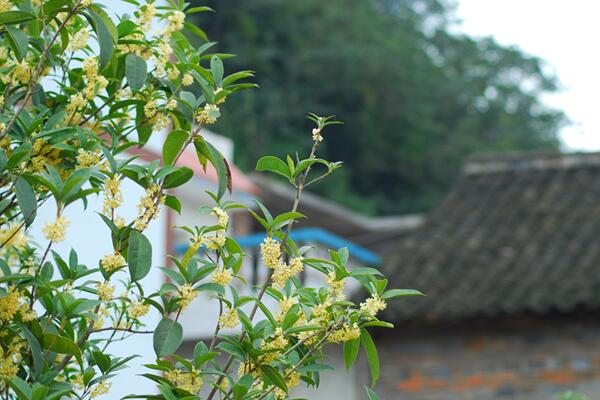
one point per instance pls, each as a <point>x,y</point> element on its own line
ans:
<point>80,87</point>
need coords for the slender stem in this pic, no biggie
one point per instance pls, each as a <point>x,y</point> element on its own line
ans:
<point>117,329</point>
<point>267,282</point>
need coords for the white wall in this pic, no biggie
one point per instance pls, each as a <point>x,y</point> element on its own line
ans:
<point>91,239</point>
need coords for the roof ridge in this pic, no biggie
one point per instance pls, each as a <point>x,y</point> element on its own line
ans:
<point>485,164</point>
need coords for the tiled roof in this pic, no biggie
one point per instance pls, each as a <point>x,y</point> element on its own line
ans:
<point>517,234</point>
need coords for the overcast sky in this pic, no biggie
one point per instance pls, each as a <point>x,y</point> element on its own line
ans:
<point>565,34</point>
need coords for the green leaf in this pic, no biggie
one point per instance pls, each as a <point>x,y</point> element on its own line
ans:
<point>15,17</point>
<point>173,203</point>
<point>216,68</point>
<point>167,337</point>
<point>283,219</point>
<point>206,151</point>
<point>178,177</point>
<point>104,39</point>
<point>36,350</point>
<point>26,199</point>
<point>274,377</point>
<point>18,41</point>
<point>273,164</point>
<point>371,394</point>
<point>60,344</point>
<point>351,348</point>
<point>372,356</point>
<point>139,255</point>
<point>144,128</point>
<point>390,294</point>
<point>136,71</point>
<point>173,145</point>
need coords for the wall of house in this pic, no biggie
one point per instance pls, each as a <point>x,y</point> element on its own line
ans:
<point>526,359</point>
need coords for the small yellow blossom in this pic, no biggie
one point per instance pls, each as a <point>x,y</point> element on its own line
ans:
<point>316,135</point>
<point>10,304</point>
<point>87,158</point>
<point>56,231</point>
<point>209,114</point>
<point>221,277</point>
<point>105,291</point>
<point>345,333</point>
<point>148,207</point>
<point>221,216</point>
<point>79,40</point>
<point>189,381</point>
<point>171,104</point>
<point>173,73</point>
<point>336,290</point>
<point>147,13</point>
<point>175,23</point>
<point>187,80</point>
<point>373,305</point>
<point>113,261</point>
<point>100,389</point>
<point>5,5</point>
<point>286,304</point>
<point>13,237</point>
<point>229,318</point>
<point>270,250</point>
<point>113,198</point>
<point>138,310</point>
<point>187,294</point>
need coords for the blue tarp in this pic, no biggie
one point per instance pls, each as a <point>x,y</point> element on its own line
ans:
<point>309,235</point>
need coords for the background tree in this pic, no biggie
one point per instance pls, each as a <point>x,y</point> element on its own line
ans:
<point>416,97</point>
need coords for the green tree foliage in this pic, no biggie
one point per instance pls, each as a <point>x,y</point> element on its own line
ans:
<point>416,98</point>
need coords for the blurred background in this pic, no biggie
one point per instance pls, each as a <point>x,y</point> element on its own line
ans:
<point>469,174</point>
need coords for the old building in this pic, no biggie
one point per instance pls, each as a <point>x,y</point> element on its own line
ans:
<point>509,262</point>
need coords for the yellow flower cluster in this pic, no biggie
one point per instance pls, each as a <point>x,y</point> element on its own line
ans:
<point>142,50</point>
<point>270,250</point>
<point>12,303</point>
<point>88,158</point>
<point>95,81</point>
<point>188,381</point>
<point>149,207</point>
<point>316,135</point>
<point>113,198</point>
<point>222,277</point>
<point>79,40</point>
<point>105,291</point>
<point>138,309</point>
<point>187,294</point>
<point>282,272</point>
<point>147,13</point>
<point>229,318</point>
<point>336,288</point>
<point>187,80</point>
<point>345,333</point>
<point>113,261</point>
<point>5,5</point>
<point>221,216</point>
<point>12,237</point>
<point>208,115</point>
<point>163,58</point>
<point>285,305</point>
<point>57,230</point>
<point>102,314</point>
<point>373,305</point>
<point>100,389</point>
<point>10,359</point>
<point>175,23</point>
<point>43,154</point>
<point>274,346</point>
